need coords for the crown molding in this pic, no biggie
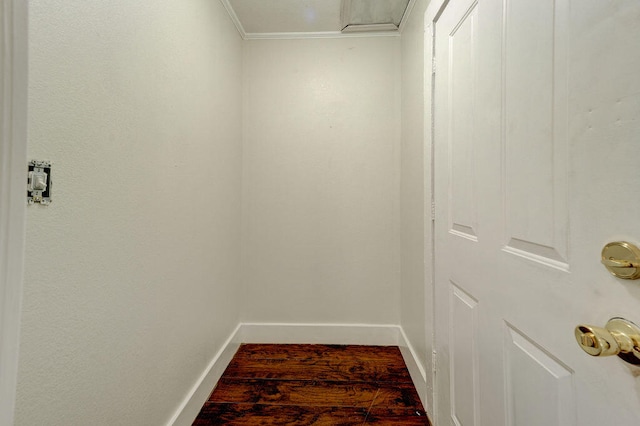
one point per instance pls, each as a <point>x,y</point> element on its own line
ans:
<point>234,18</point>
<point>407,14</point>
<point>323,34</point>
<point>361,28</point>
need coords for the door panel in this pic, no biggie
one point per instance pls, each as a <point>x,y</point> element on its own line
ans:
<point>461,91</point>
<point>464,357</point>
<point>535,130</point>
<point>536,153</point>
<point>539,388</point>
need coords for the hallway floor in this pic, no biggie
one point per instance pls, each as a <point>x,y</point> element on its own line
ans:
<point>314,385</point>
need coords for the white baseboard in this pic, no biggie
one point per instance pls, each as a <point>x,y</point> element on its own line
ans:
<point>415,367</point>
<point>335,334</point>
<point>330,334</point>
<point>199,393</point>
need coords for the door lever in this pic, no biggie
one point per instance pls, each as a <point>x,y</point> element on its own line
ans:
<point>619,337</point>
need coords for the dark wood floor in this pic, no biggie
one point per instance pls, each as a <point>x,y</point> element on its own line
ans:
<point>314,385</point>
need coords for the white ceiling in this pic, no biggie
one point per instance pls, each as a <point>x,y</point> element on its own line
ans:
<point>313,18</point>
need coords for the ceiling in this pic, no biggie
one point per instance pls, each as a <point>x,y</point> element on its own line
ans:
<point>317,18</point>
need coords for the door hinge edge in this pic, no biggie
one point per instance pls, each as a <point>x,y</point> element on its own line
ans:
<point>434,363</point>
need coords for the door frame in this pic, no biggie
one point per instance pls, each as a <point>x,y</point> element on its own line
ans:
<point>431,15</point>
<point>13,162</point>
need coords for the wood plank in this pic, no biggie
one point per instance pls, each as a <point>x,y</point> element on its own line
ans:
<point>346,369</point>
<point>390,354</point>
<point>397,396</point>
<point>256,414</point>
<point>397,417</point>
<point>236,391</point>
<point>327,394</point>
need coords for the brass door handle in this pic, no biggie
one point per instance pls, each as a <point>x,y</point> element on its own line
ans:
<point>596,341</point>
<point>619,337</point>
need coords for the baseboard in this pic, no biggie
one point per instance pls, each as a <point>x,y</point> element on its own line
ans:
<point>333,334</point>
<point>336,334</point>
<point>416,369</point>
<point>199,393</point>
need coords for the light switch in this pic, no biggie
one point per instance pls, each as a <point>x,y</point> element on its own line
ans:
<point>39,182</point>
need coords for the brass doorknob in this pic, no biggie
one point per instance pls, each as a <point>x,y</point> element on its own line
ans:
<point>619,337</point>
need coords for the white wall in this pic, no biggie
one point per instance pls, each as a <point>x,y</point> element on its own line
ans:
<point>321,180</point>
<point>132,277</point>
<point>416,300</point>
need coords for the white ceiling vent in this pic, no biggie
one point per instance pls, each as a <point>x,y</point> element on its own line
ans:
<point>372,15</point>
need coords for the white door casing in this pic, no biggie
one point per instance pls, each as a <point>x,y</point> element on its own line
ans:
<point>536,134</point>
<point>13,161</point>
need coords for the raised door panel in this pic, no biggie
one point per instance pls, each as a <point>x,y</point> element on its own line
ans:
<point>463,343</point>
<point>462,94</point>
<point>539,387</point>
<point>535,130</point>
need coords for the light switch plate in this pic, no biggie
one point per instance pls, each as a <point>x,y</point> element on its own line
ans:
<point>39,182</point>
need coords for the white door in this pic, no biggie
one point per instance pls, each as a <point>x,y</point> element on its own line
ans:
<point>537,166</point>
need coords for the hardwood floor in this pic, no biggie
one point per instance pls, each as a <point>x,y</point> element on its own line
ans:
<point>314,385</point>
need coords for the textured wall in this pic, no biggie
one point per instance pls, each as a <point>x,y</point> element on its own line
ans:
<point>415,189</point>
<point>132,277</point>
<point>321,180</point>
